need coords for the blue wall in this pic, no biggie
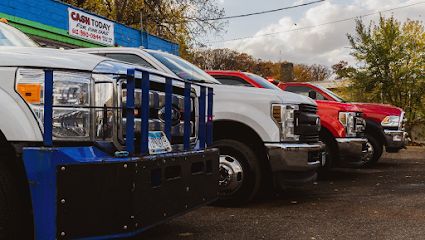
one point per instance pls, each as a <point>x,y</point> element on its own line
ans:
<point>55,14</point>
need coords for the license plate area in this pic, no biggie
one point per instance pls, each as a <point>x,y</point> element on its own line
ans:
<point>158,143</point>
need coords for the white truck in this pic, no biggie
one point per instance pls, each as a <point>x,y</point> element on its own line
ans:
<point>68,168</point>
<point>264,135</point>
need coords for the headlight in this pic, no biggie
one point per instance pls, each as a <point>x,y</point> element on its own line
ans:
<point>391,121</point>
<point>348,120</point>
<point>71,93</point>
<point>284,115</point>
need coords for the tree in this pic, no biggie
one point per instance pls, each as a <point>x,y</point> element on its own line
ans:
<point>309,73</point>
<point>181,21</point>
<point>341,69</point>
<point>391,57</point>
<point>227,59</point>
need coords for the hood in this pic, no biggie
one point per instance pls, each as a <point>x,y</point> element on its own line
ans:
<point>289,97</point>
<point>47,58</point>
<point>338,106</point>
<point>381,109</point>
<point>269,95</point>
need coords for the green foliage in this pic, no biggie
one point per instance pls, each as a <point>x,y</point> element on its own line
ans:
<point>391,56</point>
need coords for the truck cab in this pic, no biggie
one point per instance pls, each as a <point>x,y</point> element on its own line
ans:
<point>253,128</point>
<point>94,148</point>
<point>342,125</point>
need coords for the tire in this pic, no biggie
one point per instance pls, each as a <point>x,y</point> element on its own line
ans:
<point>331,157</point>
<point>14,217</point>
<point>377,149</point>
<point>243,164</point>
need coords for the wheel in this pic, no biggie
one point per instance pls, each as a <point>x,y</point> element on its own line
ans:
<point>374,151</point>
<point>240,172</point>
<point>14,219</point>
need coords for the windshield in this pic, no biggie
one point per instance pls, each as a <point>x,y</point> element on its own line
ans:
<point>262,81</point>
<point>330,93</point>
<point>12,37</point>
<point>183,68</point>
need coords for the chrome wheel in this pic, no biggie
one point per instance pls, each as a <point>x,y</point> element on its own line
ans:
<point>230,175</point>
<point>368,155</point>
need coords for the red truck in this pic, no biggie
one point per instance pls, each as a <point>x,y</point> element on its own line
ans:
<point>384,123</point>
<point>342,125</point>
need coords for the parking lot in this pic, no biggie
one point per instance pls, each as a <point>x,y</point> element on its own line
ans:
<point>383,202</point>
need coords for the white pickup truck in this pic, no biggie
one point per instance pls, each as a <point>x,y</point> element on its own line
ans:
<point>263,135</point>
<point>68,170</point>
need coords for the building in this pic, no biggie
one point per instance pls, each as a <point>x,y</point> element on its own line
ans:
<point>55,24</point>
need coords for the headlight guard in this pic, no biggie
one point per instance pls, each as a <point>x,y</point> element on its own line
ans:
<point>72,97</point>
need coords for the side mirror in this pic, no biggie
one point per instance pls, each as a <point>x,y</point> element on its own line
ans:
<point>312,95</point>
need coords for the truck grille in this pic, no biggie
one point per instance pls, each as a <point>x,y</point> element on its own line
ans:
<point>360,125</point>
<point>157,104</point>
<point>307,123</point>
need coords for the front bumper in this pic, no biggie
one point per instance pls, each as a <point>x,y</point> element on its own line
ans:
<point>395,139</point>
<point>81,192</point>
<point>300,161</point>
<point>351,151</point>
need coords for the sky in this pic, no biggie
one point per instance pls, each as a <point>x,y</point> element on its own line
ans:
<point>326,44</point>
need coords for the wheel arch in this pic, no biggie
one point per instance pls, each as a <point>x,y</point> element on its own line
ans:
<point>326,134</point>
<point>12,159</point>
<point>243,133</point>
<point>376,130</point>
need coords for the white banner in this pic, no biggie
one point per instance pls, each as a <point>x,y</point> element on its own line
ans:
<point>86,26</point>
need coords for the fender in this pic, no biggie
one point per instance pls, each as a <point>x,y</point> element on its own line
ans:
<point>250,116</point>
<point>17,120</point>
<point>332,125</point>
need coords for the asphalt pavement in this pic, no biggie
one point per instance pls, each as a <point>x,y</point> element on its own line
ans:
<point>383,202</point>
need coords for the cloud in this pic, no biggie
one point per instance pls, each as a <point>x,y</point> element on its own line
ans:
<point>326,44</point>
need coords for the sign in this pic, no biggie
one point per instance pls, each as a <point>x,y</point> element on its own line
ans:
<point>89,27</point>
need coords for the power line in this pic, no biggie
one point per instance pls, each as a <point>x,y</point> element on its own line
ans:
<point>318,25</point>
<point>263,12</point>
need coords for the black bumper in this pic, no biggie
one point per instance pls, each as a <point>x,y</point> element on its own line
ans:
<point>120,199</point>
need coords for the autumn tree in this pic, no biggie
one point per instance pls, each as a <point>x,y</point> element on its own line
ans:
<point>223,59</point>
<point>311,73</point>
<point>227,59</point>
<point>391,56</point>
<point>181,21</point>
